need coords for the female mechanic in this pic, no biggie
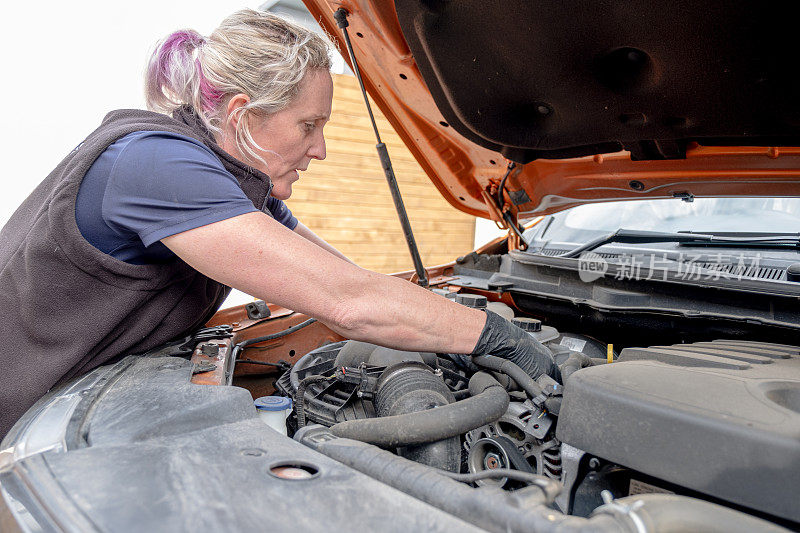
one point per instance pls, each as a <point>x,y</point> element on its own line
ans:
<point>137,235</point>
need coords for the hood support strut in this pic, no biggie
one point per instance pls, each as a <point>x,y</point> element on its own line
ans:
<point>383,154</point>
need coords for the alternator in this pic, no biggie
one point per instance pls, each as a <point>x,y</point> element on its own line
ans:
<point>528,428</point>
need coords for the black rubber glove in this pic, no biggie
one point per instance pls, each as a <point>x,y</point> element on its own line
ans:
<point>501,338</point>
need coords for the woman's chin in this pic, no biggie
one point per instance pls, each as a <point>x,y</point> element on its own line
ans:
<point>282,193</point>
<point>282,189</point>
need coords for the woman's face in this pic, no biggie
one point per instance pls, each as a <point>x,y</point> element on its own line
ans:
<point>292,137</point>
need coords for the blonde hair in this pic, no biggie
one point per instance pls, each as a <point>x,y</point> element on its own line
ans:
<point>252,52</point>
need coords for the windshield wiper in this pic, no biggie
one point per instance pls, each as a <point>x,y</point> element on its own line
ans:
<point>630,236</point>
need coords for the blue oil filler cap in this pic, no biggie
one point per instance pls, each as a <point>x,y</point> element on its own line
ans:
<point>273,403</point>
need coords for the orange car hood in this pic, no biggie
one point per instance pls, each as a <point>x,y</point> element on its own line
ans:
<point>594,102</point>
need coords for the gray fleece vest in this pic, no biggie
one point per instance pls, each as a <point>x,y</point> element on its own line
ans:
<point>65,306</point>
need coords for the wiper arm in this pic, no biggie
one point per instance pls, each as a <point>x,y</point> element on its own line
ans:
<point>630,236</point>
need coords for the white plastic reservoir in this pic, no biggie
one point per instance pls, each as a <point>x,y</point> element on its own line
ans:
<point>274,410</point>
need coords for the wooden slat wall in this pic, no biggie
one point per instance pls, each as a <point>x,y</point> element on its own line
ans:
<point>345,198</point>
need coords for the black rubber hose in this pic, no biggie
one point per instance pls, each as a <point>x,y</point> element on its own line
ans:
<point>494,509</point>
<point>574,362</point>
<point>489,508</point>
<point>461,394</point>
<point>273,336</point>
<point>511,370</point>
<point>487,404</point>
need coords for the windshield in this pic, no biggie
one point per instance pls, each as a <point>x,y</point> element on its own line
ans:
<point>704,215</point>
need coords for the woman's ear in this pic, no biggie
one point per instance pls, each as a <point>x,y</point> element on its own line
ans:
<point>236,102</point>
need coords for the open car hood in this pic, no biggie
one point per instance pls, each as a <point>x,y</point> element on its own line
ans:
<point>593,101</point>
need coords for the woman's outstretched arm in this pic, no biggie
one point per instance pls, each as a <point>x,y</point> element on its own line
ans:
<point>259,256</point>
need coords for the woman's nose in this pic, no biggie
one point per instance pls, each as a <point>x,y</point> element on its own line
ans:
<point>317,149</point>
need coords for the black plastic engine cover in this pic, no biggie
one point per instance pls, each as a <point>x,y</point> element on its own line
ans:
<point>721,418</point>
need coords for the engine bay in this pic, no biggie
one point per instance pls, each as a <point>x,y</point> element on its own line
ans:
<point>717,420</point>
<point>689,436</point>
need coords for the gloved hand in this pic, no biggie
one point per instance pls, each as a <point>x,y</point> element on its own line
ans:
<point>501,338</point>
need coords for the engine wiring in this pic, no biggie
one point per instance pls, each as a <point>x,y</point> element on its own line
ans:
<point>501,188</point>
<point>273,336</point>
<point>237,348</point>
<point>548,486</point>
<point>283,365</point>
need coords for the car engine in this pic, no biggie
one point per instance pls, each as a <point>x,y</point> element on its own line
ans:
<point>716,420</point>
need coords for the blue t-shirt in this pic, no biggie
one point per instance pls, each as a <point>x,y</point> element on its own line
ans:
<point>152,184</point>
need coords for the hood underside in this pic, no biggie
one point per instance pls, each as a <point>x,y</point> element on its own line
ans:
<point>593,101</point>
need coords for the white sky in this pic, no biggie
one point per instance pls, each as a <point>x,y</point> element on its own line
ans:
<point>65,65</point>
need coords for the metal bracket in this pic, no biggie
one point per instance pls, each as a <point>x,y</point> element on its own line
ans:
<point>686,196</point>
<point>257,310</point>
